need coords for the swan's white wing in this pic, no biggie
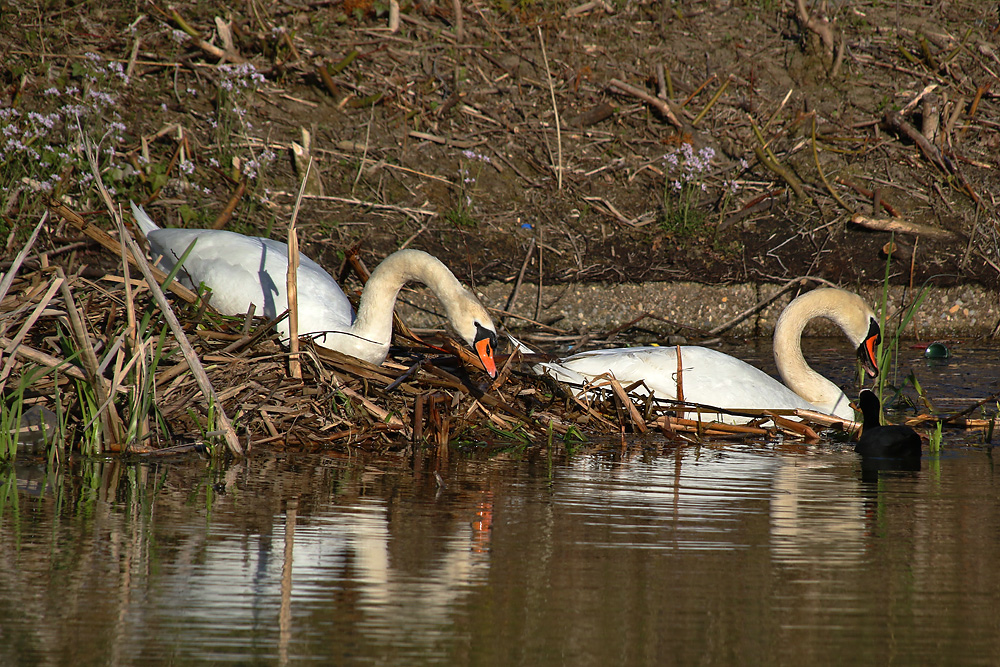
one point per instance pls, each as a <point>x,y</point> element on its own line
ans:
<point>242,270</point>
<point>708,376</point>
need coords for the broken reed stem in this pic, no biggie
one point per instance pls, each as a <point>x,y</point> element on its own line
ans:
<point>770,161</point>
<point>555,109</point>
<point>459,22</point>
<point>12,347</point>
<point>819,168</point>
<point>227,213</point>
<point>104,239</point>
<point>114,430</point>
<point>680,376</point>
<point>8,279</point>
<point>47,360</point>
<point>626,400</point>
<point>194,363</point>
<point>393,18</point>
<point>698,90</point>
<point>520,278</point>
<point>711,102</point>
<point>291,282</point>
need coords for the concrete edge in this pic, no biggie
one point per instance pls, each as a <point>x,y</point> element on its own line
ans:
<point>693,309</point>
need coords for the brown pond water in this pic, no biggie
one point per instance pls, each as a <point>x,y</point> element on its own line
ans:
<point>766,553</point>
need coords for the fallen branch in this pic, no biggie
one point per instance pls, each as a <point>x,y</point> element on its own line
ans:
<point>903,227</point>
<point>660,105</point>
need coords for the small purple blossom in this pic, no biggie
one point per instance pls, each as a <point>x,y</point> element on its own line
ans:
<point>116,69</point>
<point>250,169</point>
<point>472,155</point>
<point>47,120</point>
<point>101,97</point>
<point>77,110</point>
<point>187,166</point>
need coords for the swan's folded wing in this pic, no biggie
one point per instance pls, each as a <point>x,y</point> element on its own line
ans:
<point>241,270</point>
<point>707,376</point>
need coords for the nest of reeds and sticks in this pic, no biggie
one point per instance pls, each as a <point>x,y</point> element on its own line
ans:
<point>113,365</point>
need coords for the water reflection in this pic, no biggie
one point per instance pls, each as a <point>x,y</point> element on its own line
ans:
<point>757,553</point>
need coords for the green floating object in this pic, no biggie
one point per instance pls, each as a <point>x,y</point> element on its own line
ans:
<point>937,351</point>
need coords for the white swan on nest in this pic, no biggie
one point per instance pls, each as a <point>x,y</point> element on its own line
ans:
<point>241,270</point>
<point>709,377</point>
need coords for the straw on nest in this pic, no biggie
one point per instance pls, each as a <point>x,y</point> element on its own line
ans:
<point>422,393</point>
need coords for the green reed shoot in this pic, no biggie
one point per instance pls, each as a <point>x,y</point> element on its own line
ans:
<point>888,351</point>
<point>935,437</point>
<point>9,495</point>
<point>12,411</point>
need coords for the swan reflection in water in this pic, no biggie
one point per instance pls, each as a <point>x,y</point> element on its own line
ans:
<point>693,500</point>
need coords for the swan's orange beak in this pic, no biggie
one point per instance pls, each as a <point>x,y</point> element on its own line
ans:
<point>868,350</point>
<point>485,345</point>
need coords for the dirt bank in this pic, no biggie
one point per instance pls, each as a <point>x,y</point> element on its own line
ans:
<point>711,142</point>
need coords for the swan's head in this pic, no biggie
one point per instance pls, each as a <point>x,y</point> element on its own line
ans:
<point>472,322</point>
<point>868,348</point>
<point>485,345</point>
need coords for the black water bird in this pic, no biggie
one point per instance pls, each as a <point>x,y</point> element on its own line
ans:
<point>884,442</point>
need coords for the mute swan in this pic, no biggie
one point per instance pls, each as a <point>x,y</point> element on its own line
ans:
<point>893,441</point>
<point>712,378</point>
<point>241,270</point>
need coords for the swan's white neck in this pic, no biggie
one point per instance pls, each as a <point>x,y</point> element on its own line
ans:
<point>846,310</point>
<point>374,318</point>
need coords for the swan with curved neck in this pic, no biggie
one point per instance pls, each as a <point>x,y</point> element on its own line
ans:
<point>242,270</point>
<point>709,377</point>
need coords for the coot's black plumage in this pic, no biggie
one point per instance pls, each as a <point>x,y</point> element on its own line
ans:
<point>877,441</point>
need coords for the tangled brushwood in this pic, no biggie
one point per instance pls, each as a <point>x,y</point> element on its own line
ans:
<point>93,362</point>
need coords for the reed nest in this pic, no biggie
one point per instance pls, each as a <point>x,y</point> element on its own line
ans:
<point>95,348</point>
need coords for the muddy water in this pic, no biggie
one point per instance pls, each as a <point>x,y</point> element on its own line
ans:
<point>719,553</point>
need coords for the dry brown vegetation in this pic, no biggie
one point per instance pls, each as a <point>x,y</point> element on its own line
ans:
<point>523,134</point>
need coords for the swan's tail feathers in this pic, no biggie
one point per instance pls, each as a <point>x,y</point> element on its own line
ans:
<point>145,223</point>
